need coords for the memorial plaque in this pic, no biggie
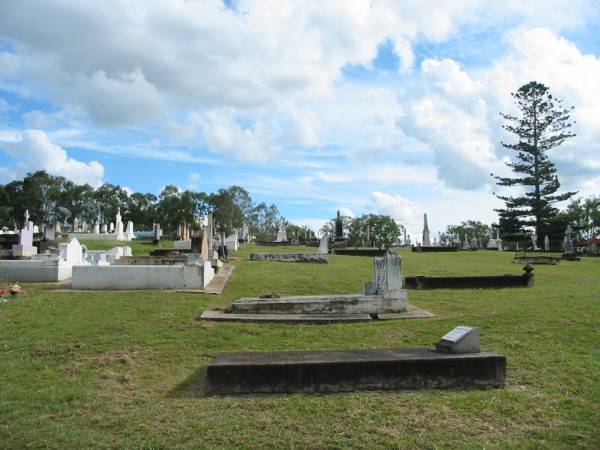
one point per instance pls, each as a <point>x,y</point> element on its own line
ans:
<point>462,339</point>
<point>456,334</point>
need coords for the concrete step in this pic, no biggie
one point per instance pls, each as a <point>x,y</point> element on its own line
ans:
<point>327,371</point>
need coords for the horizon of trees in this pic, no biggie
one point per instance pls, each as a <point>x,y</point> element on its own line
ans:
<point>50,199</point>
<point>369,230</point>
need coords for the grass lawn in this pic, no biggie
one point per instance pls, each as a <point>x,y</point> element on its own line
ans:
<point>127,370</point>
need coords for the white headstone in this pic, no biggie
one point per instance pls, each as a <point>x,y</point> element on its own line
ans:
<point>72,252</point>
<point>129,233</point>
<point>323,246</point>
<point>96,228</point>
<point>281,234</point>
<point>546,243</point>
<point>25,246</point>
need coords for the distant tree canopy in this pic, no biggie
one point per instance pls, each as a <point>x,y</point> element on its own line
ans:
<point>53,198</point>
<point>473,229</point>
<point>369,230</point>
<point>542,125</point>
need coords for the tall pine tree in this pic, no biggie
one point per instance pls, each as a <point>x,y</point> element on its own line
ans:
<point>543,124</point>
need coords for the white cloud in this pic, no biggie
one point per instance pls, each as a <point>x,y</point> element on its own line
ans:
<point>193,179</point>
<point>34,151</point>
<point>402,210</point>
<point>346,212</point>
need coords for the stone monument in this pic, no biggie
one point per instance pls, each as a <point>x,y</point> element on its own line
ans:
<point>25,246</point>
<point>339,241</point>
<point>546,243</point>
<point>568,241</point>
<point>426,240</point>
<point>323,245</point>
<point>281,233</point>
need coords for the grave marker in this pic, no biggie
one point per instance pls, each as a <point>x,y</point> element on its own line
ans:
<point>462,339</point>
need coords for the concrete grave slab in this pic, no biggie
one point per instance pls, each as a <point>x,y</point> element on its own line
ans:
<point>326,371</point>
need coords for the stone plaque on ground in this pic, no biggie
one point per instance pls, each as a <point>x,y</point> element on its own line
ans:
<point>462,339</point>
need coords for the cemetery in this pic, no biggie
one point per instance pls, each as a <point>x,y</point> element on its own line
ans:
<point>260,356</point>
<point>308,225</point>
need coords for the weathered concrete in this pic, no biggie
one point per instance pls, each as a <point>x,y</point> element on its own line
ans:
<point>142,277</point>
<point>151,260</point>
<point>431,249</point>
<point>476,282</point>
<point>321,304</point>
<point>35,271</point>
<point>320,258</point>
<point>315,319</point>
<point>371,252</point>
<point>349,370</point>
<point>218,282</point>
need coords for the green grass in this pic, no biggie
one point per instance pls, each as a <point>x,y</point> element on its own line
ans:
<point>127,370</point>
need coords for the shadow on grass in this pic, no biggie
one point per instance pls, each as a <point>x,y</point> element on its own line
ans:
<point>194,386</point>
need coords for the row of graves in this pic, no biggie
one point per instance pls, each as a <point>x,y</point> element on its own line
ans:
<point>103,232</point>
<point>39,257</point>
<point>113,269</point>
<point>456,360</point>
<point>547,255</point>
<point>190,266</point>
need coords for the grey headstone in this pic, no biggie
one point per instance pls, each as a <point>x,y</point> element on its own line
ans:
<point>462,339</point>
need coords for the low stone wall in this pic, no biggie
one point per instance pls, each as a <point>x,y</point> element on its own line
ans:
<point>434,249</point>
<point>142,277</point>
<point>475,282</point>
<point>35,271</point>
<point>359,252</point>
<point>320,258</point>
<point>276,244</point>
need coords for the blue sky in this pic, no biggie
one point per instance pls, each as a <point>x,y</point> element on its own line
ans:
<point>382,106</point>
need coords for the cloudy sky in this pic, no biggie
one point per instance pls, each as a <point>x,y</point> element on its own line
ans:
<point>376,106</point>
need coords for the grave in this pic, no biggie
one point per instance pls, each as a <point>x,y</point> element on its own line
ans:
<point>426,246</point>
<point>103,234</point>
<point>321,257</point>
<point>25,246</point>
<point>194,273</point>
<point>426,241</point>
<point>379,299</point>
<point>340,241</point>
<point>473,282</point>
<point>281,233</point>
<point>455,363</point>
<point>44,268</point>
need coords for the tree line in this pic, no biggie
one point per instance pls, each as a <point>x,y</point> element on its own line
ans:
<point>50,199</point>
<point>369,230</point>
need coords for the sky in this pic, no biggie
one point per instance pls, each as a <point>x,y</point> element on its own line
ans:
<point>378,106</point>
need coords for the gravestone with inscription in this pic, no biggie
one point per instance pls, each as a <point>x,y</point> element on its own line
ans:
<point>462,339</point>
